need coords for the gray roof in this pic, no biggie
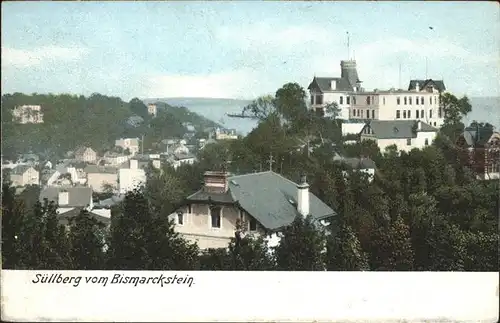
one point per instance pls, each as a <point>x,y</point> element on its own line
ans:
<point>113,200</point>
<point>78,196</point>
<point>477,136</point>
<point>324,84</point>
<point>358,163</point>
<point>93,169</point>
<point>395,129</point>
<point>438,84</point>
<point>183,156</point>
<point>65,217</point>
<point>267,196</point>
<point>20,169</point>
<point>46,174</point>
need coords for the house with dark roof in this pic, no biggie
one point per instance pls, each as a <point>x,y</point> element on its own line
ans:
<point>482,146</point>
<point>362,164</point>
<point>262,203</point>
<point>71,201</point>
<point>404,134</point>
<point>428,85</point>
<point>23,175</point>
<point>49,177</point>
<point>325,90</point>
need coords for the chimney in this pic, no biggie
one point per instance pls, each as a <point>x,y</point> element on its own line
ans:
<point>63,198</point>
<point>333,84</point>
<point>419,125</point>
<point>215,181</point>
<point>134,164</point>
<point>303,196</point>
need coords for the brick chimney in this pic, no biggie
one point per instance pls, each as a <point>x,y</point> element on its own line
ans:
<point>215,181</point>
<point>303,196</point>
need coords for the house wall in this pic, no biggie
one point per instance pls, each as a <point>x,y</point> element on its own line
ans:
<point>88,156</point>
<point>28,114</point>
<point>330,97</point>
<point>418,142</point>
<point>97,180</point>
<point>116,160</point>
<point>386,106</point>
<point>197,226</point>
<point>132,144</point>
<point>130,179</point>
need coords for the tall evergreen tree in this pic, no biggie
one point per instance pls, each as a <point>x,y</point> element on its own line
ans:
<point>86,240</point>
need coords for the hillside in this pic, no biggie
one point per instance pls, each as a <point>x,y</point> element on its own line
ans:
<point>214,109</point>
<point>97,121</point>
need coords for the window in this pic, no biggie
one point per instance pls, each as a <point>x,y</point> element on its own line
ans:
<point>409,100</point>
<point>434,123</point>
<point>422,101</point>
<point>180,218</point>
<point>319,99</point>
<point>426,142</point>
<point>398,114</point>
<point>341,100</point>
<point>430,100</point>
<point>417,114</point>
<point>215,214</point>
<point>189,209</point>
<point>252,225</point>
<point>348,100</point>
<point>430,113</point>
<point>404,114</point>
<point>312,99</point>
<point>373,114</point>
<point>406,102</point>
<point>398,101</point>
<point>362,113</point>
<point>353,100</point>
<point>409,114</point>
<point>408,142</point>
<point>422,115</point>
<point>383,100</point>
<point>368,100</point>
<point>416,100</point>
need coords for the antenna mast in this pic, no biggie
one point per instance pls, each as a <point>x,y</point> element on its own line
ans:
<point>348,52</point>
<point>400,74</point>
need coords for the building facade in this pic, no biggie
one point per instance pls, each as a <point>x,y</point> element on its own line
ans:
<point>24,175</point>
<point>28,114</point>
<point>131,177</point>
<point>404,134</point>
<point>132,144</point>
<point>101,178</point>
<point>152,109</point>
<point>326,90</point>
<point>86,154</point>
<point>394,104</point>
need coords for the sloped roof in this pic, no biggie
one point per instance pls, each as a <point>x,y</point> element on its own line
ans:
<point>268,197</point>
<point>65,217</point>
<point>439,84</point>
<point>93,169</point>
<point>46,174</point>
<point>358,163</point>
<point>324,84</point>
<point>477,136</point>
<point>20,169</point>
<point>396,129</point>
<point>78,196</point>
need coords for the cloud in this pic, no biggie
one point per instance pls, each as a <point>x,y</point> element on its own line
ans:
<point>38,56</point>
<point>240,84</point>
<point>264,34</point>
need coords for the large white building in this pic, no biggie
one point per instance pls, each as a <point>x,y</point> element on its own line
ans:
<point>415,104</point>
<point>28,114</point>
<point>326,90</point>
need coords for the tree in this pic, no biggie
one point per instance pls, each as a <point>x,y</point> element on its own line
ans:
<point>454,110</point>
<point>391,247</point>
<point>151,243</point>
<point>290,102</point>
<point>344,251</point>
<point>86,240</point>
<point>12,218</point>
<point>260,108</point>
<point>302,246</point>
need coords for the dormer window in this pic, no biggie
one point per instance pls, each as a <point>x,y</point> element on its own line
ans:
<point>368,100</point>
<point>215,215</point>
<point>398,101</point>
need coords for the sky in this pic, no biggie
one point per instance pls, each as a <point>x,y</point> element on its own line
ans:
<point>242,49</point>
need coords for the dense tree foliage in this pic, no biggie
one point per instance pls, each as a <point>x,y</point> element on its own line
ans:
<point>96,121</point>
<point>423,210</point>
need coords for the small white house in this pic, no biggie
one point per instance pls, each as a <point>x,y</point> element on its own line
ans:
<point>405,134</point>
<point>130,176</point>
